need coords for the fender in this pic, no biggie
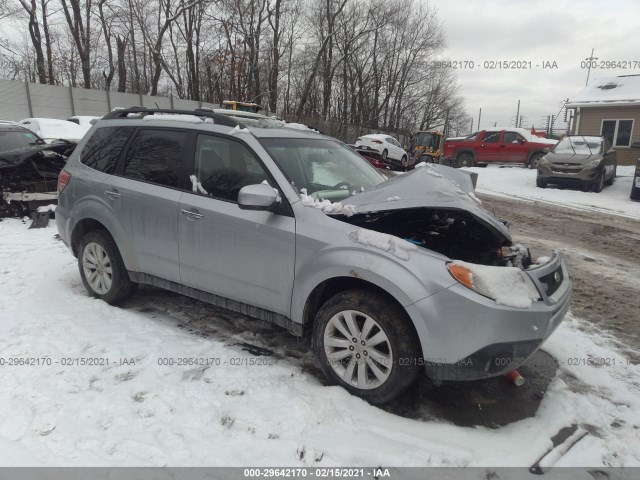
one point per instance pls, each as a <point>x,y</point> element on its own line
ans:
<point>398,278</point>
<point>96,208</point>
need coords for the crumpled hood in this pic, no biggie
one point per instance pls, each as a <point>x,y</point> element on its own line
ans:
<point>425,188</point>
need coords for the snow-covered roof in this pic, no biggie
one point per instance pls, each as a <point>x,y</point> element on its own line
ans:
<point>525,132</point>
<point>606,91</point>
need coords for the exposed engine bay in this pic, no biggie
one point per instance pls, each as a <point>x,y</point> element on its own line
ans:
<point>28,177</point>
<point>456,234</point>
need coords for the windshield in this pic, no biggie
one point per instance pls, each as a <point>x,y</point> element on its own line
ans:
<point>326,168</point>
<point>16,139</point>
<point>427,139</point>
<point>579,145</point>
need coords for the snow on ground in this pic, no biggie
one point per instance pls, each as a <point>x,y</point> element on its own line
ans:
<point>520,183</point>
<point>150,414</point>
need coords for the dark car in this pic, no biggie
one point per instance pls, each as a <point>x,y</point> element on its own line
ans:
<point>579,160</point>
<point>29,169</point>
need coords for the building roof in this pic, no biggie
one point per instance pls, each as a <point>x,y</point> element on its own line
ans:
<point>608,91</point>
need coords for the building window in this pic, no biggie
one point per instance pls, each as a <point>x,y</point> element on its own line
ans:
<point>618,132</point>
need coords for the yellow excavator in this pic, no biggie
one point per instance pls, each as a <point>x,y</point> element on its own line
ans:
<point>427,146</point>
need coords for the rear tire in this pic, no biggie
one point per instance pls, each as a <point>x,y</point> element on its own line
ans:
<point>541,182</point>
<point>405,162</point>
<point>342,338</point>
<point>385,155</point>
<point>465,160</point>
<point>102,269</point>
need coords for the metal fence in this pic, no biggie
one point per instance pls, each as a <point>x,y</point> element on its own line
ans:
<point>19,100</point>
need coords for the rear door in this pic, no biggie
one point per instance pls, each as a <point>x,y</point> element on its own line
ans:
<point>243,255</point>
<point>488,147</point>
<point>145,193</point>
<point>514,148</point>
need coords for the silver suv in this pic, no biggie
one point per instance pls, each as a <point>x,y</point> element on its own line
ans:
<point>387,277</point>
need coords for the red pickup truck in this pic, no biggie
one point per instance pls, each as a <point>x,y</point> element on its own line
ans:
<point>497,145</point>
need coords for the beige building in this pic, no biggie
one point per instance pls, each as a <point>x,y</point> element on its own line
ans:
<point>610,107</point>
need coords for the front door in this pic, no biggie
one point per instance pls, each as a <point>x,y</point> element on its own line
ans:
<point>513,148</point>
<point>243,255</point>
<point>489,146</point>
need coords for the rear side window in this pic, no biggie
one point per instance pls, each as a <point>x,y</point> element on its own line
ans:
<point>103,148</point>
<point>156,156</point>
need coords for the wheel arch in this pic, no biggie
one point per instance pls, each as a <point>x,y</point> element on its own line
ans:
<point>332,286</point>
<point>465,151</point>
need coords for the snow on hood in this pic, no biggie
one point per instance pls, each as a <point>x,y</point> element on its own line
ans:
<point>425,188</point>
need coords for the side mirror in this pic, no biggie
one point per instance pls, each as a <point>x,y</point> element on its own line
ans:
<point>546,150</point>
<point>256,197</point>
<point>521,141</point>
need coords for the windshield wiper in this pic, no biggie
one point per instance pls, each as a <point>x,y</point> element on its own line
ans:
<point>587,144</point>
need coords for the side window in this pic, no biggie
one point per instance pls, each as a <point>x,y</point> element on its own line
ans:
<point>491,137</point>
<point>155,156</point>
<point>512,137</point>
<point>623,138</point>
<point>223,166</point>
<point>102,150</point>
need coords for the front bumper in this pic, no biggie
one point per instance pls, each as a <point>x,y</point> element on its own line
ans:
<point>559,174</point>
<point>466,336</point>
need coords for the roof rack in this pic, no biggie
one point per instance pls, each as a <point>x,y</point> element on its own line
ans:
<point>219,119</point>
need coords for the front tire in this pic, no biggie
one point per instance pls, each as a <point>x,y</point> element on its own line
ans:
<point>405,162</point>
<point>385,155</point>
<point>613,176</point>
<point>599,183</point>
<point>541,182</point>
<point>365,344</point>
<point>534,160</point>
<point>102,269</point>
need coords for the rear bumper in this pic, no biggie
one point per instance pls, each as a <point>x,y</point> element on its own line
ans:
<point>466,336</point>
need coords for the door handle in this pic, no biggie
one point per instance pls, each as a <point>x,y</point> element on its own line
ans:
<point>192,215</point>
<point>112,195</point>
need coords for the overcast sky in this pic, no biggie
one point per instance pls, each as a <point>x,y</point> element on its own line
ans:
<point>563,31</point>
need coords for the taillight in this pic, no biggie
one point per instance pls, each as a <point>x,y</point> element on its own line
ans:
<point>377,141</point>
<point>63,180</point>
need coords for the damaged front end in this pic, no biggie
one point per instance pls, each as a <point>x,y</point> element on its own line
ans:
<point>28,177</point>
<point>438,212</point>
<point>502,306</point>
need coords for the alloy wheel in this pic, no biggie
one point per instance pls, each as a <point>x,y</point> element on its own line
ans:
<point>97,268</point>
<point>358,349</point>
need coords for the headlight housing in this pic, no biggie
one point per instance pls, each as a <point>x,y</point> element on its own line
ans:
<point>506,285</point>
<point>543,161</point>
<point>595,162</point>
